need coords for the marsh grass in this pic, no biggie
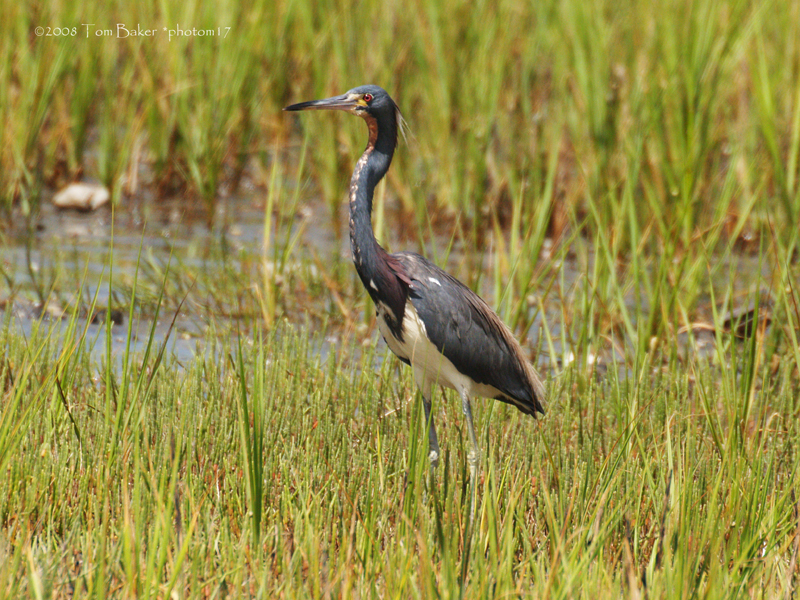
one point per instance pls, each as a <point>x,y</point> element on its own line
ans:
<point>686,110</point>
<point>267,468</point>
<point>615,181</point>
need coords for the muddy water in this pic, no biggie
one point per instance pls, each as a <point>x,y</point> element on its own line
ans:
<point>49,260</point>
<point>61,261</point>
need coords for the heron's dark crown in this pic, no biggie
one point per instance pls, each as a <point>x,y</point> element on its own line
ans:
<point>381,103</point>
<point>383,109</point>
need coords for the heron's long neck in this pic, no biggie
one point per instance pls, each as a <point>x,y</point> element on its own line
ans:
<point>368,256</point>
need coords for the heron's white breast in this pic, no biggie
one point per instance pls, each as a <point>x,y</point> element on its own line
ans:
<point>430,366</point>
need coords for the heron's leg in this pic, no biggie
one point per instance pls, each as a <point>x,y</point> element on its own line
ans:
<point>433,442</point>
<point>473,456</point>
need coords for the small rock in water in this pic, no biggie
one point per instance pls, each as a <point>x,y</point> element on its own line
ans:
<point>84,196</point>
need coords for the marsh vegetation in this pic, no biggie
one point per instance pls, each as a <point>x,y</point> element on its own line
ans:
<point>620,182</point>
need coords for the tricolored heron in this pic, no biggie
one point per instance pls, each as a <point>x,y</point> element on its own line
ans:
<point>429,319</point>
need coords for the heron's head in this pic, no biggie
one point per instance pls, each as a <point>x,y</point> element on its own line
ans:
<point>369,102</point>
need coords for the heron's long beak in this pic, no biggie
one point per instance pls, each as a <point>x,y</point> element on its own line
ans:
<point>343,102</point>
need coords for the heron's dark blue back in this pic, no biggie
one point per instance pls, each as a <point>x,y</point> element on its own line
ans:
<point>470,334</point>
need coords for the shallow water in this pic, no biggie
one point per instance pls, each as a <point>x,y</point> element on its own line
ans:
<point>71,252</point>
<point>63,259</point>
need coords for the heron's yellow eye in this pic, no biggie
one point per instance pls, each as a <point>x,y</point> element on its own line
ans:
<point>367,97</point>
